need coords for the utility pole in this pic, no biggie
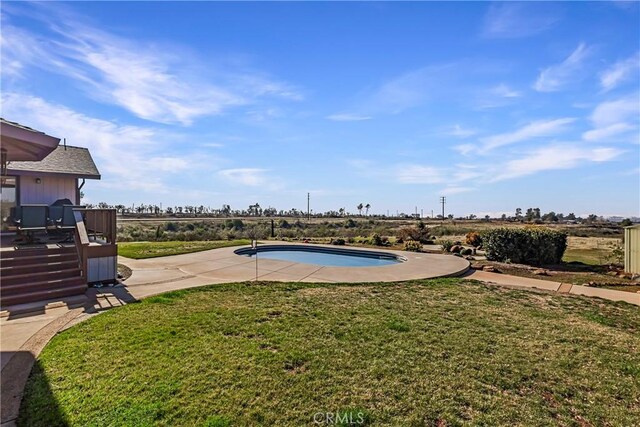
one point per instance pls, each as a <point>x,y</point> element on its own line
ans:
<point>308,211</point>
<point>443,200</point>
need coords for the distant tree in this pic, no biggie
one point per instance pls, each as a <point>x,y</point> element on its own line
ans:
<point>536,213</point>
<point>341,211</point>
<point>367,207</point>
<point>359,207</point>
<point>529,215</point>
<point>518,213</point>
<point>626,222</point>
<point>550,217</point>
<point>571,217</point>
<point>472,216</point>
<point>592,218</point>
<point>503,217</point>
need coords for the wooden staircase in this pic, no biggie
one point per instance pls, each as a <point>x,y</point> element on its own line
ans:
<point>38,274</point>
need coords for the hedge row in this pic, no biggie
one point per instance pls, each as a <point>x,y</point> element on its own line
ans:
<point>534,246</point>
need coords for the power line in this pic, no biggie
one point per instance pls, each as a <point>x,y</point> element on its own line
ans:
<point>443,200</point>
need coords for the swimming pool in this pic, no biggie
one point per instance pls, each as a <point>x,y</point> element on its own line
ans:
<point>328,257</point>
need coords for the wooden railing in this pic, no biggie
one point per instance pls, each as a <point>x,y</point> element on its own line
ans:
<point>82,242</point>
<point>101,222</point>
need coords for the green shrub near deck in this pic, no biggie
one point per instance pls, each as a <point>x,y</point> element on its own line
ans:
<point>533,245</point>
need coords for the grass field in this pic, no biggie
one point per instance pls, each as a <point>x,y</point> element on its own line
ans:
<point>439,352</point>
<point>141,250</point>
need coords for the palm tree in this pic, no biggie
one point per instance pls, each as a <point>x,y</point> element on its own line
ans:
<point>359,207</point>
<point>367,207</point>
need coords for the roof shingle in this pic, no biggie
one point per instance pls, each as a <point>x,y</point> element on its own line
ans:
<point>69,160</point>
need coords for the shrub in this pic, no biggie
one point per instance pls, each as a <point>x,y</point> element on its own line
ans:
<point>533,246</point>
<point>466,251</point>
<point>413,246</point>
<point>337,241</point>
<point>376,240</point>
<point>446,245</point>
<point>474,239</point>
<point>419,233</point>
<point>349,223</point>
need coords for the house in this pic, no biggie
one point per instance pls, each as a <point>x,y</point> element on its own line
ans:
<point>38,170</point>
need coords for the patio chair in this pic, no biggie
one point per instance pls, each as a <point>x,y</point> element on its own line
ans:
<point>66,223</point>
<point>32,218</point>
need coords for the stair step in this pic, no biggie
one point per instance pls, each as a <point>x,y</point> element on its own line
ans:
<point>37,251</point>
<point>37,259</point>
<point>41,295</point>
<point>37,268</point>
<point>30,287</point>
<point>54,272</point>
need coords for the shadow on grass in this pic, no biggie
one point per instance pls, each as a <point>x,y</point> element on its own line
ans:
<point>14,377</point>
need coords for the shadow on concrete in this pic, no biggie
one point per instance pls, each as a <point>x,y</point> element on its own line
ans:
<point>14,378</point>
<point>107,297</point>
<point>20,311</point>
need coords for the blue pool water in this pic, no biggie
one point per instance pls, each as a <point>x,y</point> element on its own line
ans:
<point>329,259</point>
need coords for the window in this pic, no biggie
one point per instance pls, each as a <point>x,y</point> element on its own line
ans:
<point>8,198</point>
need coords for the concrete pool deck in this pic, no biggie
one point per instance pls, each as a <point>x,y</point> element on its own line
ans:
<point>25,332</point>
<point>223,265</point>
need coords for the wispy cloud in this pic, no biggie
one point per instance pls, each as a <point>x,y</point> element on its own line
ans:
<point>497,96</point>
<point>347,117</point>
<point>536,129</point>
<point>519,19</point>
<point>455,190</point>
<point>556,77</point>
<point>264,179</point>
<point>620,72</point>
<point>148,164</point>
<point>417,174</point>
<point>615,120</point>
<point>554,157</point>
<point>607,132</point>
<point>149,80</point>
<point>619,110</point>
<point>461,132</point>
<point>505,91</point>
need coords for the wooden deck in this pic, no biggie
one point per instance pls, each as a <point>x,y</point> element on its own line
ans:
<point>57,264</point>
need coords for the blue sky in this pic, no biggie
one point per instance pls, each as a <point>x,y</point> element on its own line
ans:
<point>494,105</point>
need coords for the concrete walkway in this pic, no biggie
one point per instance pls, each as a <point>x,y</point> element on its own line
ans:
<point>25,330</point>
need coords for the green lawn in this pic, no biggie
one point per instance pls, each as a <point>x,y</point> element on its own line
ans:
<point>439,352</point>
<point>141,250</point>
<point>591,256</point>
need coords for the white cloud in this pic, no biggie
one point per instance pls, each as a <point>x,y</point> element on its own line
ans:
<point>154,82</point>
<point>519,19</point>
<point>417,174</point>
<point>557,76</point>
<point>607,132</point>
<point>619,72</point>
<point>465,149</point>
<point>455,190</point>
<point>505,91</point>
<point>460,132</point>
<point>347,117</point>
<point>252,177</point>
<point>619,110</point>
<point>615,120</point>
<point>412,89</point>
<point>129,157</point>
<point>554,157</point>
<point>536,129</point>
